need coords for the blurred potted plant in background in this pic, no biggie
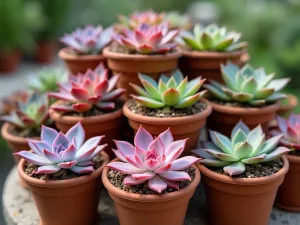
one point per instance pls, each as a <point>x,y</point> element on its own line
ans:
<point>178,21</point>
<point>18,24</point>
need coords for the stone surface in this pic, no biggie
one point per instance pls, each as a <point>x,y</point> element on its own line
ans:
<point>19,209</point>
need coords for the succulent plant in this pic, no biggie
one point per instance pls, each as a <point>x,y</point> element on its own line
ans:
<point>290,128</point>
<point>84,91</point>
<point>153,160</point>
<point>9,103</point>
<point>47,80</point>
<point>29,114</point>
<point>89,40</point>
<point>171,91</point>
<point>146,39</point>
<point>177,20</point>
<point>244,147</point>
<point>58,151</point>
<point>247,85</point>
<point>212,38</point>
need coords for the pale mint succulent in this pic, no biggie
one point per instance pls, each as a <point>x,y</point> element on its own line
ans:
<point>174,91</point>
<point>212,38</point>
<point>247,85</point>
<point>244,147</point>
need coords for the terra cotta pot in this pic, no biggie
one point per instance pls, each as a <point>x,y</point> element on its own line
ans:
<point>207,64</point>
<point>109,124</point>
<point>181,127</point>
<point>45,51</point>
<point>163,209</point>
<point>240,201</point>
<point>10,61</point>
<point>288,196</point>
<point>66,202</point>
<point>129,65</point>
<point>287,109</point>
<point>80,63</point>
<point>224,118</point>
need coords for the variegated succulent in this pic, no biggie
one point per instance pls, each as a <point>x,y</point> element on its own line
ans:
<point>171,91</point>
<point>153,161</point>
<point>89,40</point>
<point>212,38</point>
<point>247,85</point>
<point>84,91</point>
<point>290,128</point>
<point>146,39</point>
<point>244,147</point>
<point>29,114</point>
<point>58,151</point>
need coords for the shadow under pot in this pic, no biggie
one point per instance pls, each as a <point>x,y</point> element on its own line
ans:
<point>224,117</point>
<point>66,202</point>
<point>137,209</point>
<point>288,196</point>
<point>208,64</point>
<point>240,201</point>
<point>109,124</point>
<point>129,65</point>
<point>181,127</point>
<point>80,63</point>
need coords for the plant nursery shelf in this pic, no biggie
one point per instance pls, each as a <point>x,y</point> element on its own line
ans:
<point>19,208</point>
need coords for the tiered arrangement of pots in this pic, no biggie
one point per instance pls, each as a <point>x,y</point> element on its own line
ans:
<point>153,176</point>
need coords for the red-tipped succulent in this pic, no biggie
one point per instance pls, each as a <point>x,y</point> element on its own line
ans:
<point>85,91</point>
<point>146,39</point>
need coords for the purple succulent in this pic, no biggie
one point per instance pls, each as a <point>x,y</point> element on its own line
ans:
<point>153,160</point>
<point>58,151</point>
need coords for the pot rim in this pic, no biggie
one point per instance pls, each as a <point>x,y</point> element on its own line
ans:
<point>62,183</point>
<point>245,181</point>
<point>139,57</point>
<point>63,53</point>
<point>56,116</point>
<point>293,102</point>
<point>212,55</point>
<point>150,198</point>
<point>244,111</point>
<point>165,121</point>
<point>12,138</point>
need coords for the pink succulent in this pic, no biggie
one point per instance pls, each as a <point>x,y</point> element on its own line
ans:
<point>153,160</point>
<point>146,39</point>
<point>84,91</point>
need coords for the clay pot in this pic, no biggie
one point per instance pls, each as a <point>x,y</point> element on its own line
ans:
<point>45,51</point>
<point>80,63</point>
<point>224,118</point>
<point>109,124</point>
<point>14,142</point>
<point>10,61</point>
<point>236,201</point>
<point>181,127</point>
<point>207,64</point>
<point>129,65</point>
<point>286,110</point>
<point>66,202</point>
<point>288,196</point>
<point>137,209</point>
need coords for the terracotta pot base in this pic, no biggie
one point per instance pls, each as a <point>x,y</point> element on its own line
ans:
<point>10,61</point>
<point>287,208</point>
<point>45,51</point>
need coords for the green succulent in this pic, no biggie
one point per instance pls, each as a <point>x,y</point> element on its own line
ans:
<point>247,85</point>
<point>174,91</point>
<point>244,147</point>
<point>212,38</point>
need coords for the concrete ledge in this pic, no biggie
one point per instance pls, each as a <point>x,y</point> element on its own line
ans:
<point>19,208</point>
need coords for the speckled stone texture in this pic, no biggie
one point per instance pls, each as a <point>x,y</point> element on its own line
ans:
<point>19,208</point>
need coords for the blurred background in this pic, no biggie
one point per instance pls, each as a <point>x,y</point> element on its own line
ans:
<point>29,28</point>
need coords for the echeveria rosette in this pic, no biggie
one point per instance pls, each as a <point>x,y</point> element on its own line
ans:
<point>211,38</point>
<point>247,85</point>
<point>89,40</point>
<point>56,151</point>
<point>29,114</point>
<point>84,91</point>
<point>174,91</point>
<point>147,39</point>
<point>290,128</point>
<point>153,160</point>
<point>244,147</point>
